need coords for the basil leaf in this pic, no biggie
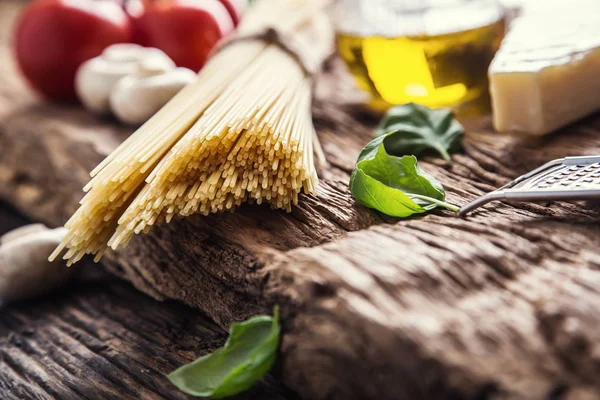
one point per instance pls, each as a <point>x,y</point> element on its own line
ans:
<point>396,186</point>
<point>248,354</point>
<point>418,129</point>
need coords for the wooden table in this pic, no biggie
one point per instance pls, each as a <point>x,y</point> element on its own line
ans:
<point>502,305</point>
<point>99,338</point>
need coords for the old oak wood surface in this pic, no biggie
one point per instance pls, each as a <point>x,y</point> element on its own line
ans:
<point>501,305</point>
<point>99,338</point>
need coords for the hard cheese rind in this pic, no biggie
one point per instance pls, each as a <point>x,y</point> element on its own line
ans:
<point>547,71</point>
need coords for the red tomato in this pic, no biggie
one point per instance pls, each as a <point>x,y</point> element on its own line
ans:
<point>54,37</point>
<point>187,30</point>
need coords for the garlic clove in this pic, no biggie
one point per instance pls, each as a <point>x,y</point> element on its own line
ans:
<point>96,77</point>
<point>135,98</point>
<point>24,267</point>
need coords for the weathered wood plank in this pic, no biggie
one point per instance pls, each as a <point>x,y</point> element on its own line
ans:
<point>100,338</point>
<point>500,305</point>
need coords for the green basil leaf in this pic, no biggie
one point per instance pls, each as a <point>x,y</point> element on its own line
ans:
<point>370,151</point>
<point>396,186</point>
<point>248,354</point>
<point>413,129</point>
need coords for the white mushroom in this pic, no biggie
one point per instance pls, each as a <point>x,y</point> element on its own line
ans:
<point>135,98</point>
<point>96,77</point>
<point>24,267</point>
<point>22,231</point>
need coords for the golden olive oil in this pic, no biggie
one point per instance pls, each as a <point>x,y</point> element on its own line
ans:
<point>441,70</point>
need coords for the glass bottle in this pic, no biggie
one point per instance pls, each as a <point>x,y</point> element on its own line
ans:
<point>432,52</point>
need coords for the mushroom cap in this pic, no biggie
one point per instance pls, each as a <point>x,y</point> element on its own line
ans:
<point>135,98</point>
<point>24,267</point>
<point>96,77</point>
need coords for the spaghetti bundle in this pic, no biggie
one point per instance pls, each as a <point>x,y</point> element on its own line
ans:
<point>241,132</point>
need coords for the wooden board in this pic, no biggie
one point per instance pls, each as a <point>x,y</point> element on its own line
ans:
<point>500,305</point>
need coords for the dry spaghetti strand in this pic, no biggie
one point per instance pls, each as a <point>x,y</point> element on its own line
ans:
<point>241,132</point>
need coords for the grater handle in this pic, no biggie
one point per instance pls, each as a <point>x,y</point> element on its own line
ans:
<point>497,195</point>
<point>508,191</point>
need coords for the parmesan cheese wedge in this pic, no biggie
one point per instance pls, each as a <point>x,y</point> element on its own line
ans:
<point>547,71</point>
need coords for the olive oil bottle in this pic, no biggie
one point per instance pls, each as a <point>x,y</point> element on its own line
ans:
<point>442,69</point>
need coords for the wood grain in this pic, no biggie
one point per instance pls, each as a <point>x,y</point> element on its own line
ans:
<point>101,339</point>
<point>497,306</point>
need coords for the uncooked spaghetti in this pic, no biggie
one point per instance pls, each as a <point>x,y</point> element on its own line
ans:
<point>241,132</point>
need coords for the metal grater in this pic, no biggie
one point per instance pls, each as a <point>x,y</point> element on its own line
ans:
<point>570,178</point>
